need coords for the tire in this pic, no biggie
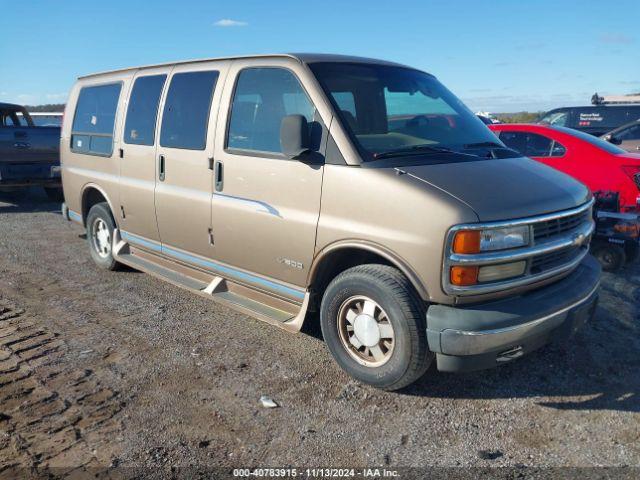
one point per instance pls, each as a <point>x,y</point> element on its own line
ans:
<point>400,359</point>
<point>100,220</point>
<point>611,257</point>
<point>55,194</point>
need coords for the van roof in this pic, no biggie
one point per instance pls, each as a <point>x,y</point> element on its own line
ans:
<point>301,57</point>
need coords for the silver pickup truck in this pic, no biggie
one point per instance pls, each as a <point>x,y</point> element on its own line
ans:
<point>29,155</point>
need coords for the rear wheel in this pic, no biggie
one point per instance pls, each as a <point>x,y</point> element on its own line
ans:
<point>373,322</point>
<point>100,226</point>
<point>611,257</point>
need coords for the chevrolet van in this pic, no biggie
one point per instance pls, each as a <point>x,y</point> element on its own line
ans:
<point>361,189</point>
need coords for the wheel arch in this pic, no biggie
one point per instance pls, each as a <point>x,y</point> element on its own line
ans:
<point>92,194</point>
<point>338,257</point>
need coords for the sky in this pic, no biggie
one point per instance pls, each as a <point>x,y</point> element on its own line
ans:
<point>497,55</point>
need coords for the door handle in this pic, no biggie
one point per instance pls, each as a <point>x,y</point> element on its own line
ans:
<point>219,174</point>
<point>21,145</point>
<point>161,168</point>
<point>638,147</point>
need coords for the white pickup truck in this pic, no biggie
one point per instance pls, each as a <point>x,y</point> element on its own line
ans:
<point>29,154</point>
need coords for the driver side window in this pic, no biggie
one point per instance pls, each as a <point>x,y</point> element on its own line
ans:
<point>262,98</point>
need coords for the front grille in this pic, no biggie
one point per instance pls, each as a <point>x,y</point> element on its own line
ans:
<point>558,226</point>
<point>558,244</point>
<point>549,261</point>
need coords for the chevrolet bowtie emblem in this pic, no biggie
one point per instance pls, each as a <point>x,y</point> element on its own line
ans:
<point>579,238</point>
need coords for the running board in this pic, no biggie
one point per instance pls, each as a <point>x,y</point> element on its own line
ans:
<point>282,313</point>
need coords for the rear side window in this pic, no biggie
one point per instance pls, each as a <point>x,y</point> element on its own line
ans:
<point>92,129</point>
<point>263,96</point>
<point>532,144</point>
<point>185,117</point>
<point>143,110</point>
<point>10,120</point>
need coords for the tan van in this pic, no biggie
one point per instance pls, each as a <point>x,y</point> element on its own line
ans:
<point>362,189</point>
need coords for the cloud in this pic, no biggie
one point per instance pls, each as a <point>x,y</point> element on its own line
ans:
<point>616,38</point>
<point>227,22</point>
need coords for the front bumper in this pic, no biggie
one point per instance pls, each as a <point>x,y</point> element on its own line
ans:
<point>488,334</point>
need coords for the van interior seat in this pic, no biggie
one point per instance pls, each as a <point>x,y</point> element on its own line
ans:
<point>266,129</point>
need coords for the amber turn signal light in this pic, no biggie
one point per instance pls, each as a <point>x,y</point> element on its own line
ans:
<point>464,276</point>
<point>467,241</point>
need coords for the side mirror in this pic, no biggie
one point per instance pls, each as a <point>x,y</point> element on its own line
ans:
<point>294,135</point>
<point>612,139</point>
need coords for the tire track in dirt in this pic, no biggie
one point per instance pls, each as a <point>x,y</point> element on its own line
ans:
<point>53,417</point>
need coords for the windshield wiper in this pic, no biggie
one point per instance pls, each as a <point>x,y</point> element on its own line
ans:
<point>491,146</point>
<point>413,150</point>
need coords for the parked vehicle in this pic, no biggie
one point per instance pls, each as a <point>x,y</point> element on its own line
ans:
<point>364,189</point>
<point>617,236</point>
<point>626,137</point>
<point>29,155</point>
<point>46,119</point>
<point>595,119</point>
<point>485,120</point>
<point>595,162</point>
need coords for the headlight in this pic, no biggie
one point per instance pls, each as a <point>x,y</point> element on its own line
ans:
<point>476,241</point>
<point>504,238</point>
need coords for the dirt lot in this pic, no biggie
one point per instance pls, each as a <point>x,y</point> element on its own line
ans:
<point>117,369</point>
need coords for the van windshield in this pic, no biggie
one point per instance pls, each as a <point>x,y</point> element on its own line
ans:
<point>391,110</point>
<point>556,118</point>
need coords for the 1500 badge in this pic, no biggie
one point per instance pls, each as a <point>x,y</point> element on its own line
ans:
<point>290,263</point>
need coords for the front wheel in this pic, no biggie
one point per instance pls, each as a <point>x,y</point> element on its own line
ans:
<point>100,227</point>
<point>373,323</point>
<point>611,257</point>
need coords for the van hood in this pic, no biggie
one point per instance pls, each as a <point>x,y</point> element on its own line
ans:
<point>504,189</point>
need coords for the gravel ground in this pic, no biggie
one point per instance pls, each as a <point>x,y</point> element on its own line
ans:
<point>117,369</point>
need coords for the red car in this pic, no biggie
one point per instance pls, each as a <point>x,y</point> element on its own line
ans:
<point>598,164</point>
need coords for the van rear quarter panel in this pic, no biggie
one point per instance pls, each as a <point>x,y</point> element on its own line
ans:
<point>81,171</point>
<point>395,212</point>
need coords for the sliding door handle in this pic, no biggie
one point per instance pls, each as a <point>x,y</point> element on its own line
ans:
<point>161,168</point>
<point>219,174</point>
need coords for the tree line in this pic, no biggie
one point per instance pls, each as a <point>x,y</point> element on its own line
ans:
<point>49,107</point>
